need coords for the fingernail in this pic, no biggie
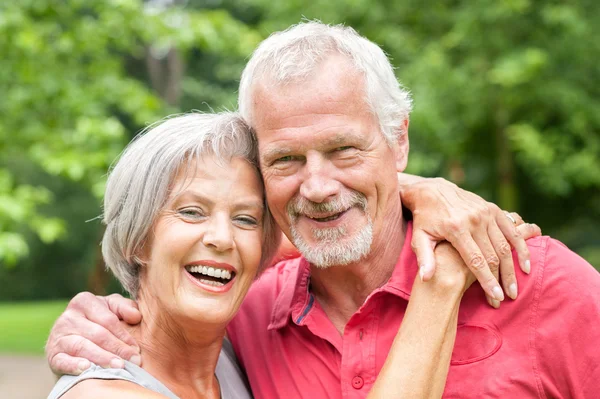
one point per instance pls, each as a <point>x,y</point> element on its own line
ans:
<point>512,291</point>
<point>136,359</point>
<point>83,365</point>
<point>422,272</point>
<point>497,293</point>
<point>136,348</point>
<point>117,363</point>
<point>492,302</point>
<point>527,266</point>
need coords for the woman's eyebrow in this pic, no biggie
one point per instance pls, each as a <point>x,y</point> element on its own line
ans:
<point>248,203</point>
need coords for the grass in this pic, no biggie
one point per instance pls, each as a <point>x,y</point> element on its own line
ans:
<point>24,326</point>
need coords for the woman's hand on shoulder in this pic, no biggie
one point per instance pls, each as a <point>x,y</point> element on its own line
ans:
<point>481,232</point>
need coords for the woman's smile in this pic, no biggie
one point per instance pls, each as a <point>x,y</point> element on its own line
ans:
<point>212,276</point>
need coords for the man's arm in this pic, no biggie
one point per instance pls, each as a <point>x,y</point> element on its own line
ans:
<point>480,231</point>
<point>418,362</point>
<point>92,329</point>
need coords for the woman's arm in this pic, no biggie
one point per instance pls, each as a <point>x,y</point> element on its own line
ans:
<point>480,231</point>
<point>418,361</point>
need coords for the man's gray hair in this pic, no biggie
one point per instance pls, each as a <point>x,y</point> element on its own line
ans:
<point>139,185</point>
<point>292,55</point>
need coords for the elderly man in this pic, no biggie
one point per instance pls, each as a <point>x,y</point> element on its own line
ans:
<point>331,122</point>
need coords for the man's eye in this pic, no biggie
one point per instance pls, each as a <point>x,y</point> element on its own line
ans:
<point>343,148</point>
<point>287,158</point>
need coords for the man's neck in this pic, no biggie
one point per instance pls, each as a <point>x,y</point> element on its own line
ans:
<point>183,360</point>
<point>342,290</point>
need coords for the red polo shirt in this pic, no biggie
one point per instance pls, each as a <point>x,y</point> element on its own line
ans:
<point>544,344</point>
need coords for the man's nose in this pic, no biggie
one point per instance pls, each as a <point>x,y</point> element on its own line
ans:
<point>219,233</point>
<point>319,183</point>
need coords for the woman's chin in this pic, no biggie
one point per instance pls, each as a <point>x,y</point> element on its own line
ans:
<point>209,309</point>
<point>208,316</point>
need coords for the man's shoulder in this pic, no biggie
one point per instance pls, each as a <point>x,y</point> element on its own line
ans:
<point>556,267</point>
<point>562,286</point>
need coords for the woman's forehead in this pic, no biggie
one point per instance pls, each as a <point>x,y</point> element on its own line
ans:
<point>235,176</point>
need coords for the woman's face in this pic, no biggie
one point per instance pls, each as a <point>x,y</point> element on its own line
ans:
<point>205,248</point>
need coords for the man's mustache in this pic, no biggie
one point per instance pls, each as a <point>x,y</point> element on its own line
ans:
<point>302,206</point>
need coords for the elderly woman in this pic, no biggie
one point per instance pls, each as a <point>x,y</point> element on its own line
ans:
<point>188,230</point>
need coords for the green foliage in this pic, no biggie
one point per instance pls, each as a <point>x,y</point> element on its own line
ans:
<point>24,327</point>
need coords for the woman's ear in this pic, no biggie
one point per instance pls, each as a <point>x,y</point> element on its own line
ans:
<point>402,146</point>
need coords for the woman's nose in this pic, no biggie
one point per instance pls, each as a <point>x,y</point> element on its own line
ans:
<point>219,233</point>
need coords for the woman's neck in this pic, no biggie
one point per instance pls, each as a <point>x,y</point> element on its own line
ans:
<point>183,359</point>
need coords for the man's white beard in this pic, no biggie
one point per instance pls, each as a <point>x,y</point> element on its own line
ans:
<point>333,247</point>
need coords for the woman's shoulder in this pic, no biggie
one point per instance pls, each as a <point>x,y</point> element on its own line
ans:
<point>114,389</point>
<point>98,382</point>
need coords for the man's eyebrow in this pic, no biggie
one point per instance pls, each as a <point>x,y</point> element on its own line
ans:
<point>339,139</point>
<point>274,153</point>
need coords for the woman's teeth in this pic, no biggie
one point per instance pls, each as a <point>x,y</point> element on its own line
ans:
<point>222,274</point>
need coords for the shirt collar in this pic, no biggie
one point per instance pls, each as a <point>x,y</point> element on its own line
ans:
<point>295,297</point>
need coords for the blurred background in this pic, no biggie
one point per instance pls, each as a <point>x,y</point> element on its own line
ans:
<point>507,104</point>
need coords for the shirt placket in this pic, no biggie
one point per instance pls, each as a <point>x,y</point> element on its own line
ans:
<point>359,343</point>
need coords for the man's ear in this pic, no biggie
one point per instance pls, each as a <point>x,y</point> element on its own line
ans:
<point>401,150</point>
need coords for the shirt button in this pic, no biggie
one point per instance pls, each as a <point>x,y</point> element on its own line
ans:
<point>357,382</point>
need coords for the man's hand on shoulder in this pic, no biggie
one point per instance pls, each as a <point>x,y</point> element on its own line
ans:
<point>92,329</point>
<point>481,232</point>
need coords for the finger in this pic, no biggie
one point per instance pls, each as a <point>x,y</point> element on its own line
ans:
<point>518,219</point>
<point>516,239</point>
<point>492,302</point>
<point>98,312</point>
<point>125,309</point>
<point>529,230</point>
<point>423,246</point>
<point>80,347</point>
<point>472,256</point>
<point>507,267</point>
<point>62,364</point>
<point>88,330</point>
<point>482,239</point>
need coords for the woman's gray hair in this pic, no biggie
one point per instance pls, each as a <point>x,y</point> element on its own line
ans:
<point>139,185</point>
<point>292,55</point>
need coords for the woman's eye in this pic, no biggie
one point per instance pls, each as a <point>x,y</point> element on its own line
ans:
<point>191,213</point>
<point>246,220</point>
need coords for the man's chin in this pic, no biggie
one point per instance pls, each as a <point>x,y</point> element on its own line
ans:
<point>339,252</point>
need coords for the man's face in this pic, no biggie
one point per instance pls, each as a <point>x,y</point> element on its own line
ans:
<point>330,175</point>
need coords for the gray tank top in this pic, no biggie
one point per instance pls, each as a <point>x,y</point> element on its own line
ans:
<point>232,380</point>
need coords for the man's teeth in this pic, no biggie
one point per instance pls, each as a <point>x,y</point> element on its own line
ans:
<point>210,271</point>
<point>328,218</point>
